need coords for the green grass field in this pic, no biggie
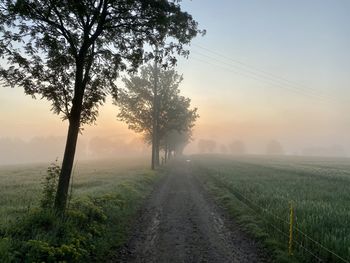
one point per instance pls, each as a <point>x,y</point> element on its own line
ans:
<point>255,190</point>
<point>20,185</point>
<point>106,196</point>
<point>258,191</point>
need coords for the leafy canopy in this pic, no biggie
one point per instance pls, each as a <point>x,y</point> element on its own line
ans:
<point>136,102</point>
<point>66,50</point>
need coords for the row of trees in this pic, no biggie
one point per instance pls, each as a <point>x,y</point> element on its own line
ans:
<point>71,53</point>
<point>151,104</point>
<point>237,147</point>
<point>210,146</point>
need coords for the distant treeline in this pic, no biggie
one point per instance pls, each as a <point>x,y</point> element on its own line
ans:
<point>48,149</point>
<point>273,147</point>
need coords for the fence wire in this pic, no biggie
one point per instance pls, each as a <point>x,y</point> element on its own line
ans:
<point>241,197</point>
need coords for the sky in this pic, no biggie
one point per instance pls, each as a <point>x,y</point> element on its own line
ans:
<point>265,70</point>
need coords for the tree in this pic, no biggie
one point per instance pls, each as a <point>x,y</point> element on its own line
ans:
<point>71,52</point>
<point>237,147</point>
<point>175,124</point>
<point>175,142</point>
<point>206,146</point>
<point>223,149</point>
<point>136,103</point>
<point>274,148</point>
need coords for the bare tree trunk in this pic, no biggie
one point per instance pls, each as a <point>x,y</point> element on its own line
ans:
<point>155,140</point>
<point>157,150</point>
<point>154,130</point>
<point>72,138</point>
<point>67,165</point>
<point>69,152</point>
<point>153,161</point>
<point>166,153</point>
<point>169,154</point>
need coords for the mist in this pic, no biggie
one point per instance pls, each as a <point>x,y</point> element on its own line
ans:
<point>50,149</point>
<point>174,131</point>
<point>18,150</point>
<point>271,147</point>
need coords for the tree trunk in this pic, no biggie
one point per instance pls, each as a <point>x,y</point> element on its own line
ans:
<point>155,144</point>
<point>166,153</point>
<point>157,150</point>
<point>169,154</point>
<point>72,138</point>
<point>67,165</point>
<point>153,161</point>
<point>154,130</point>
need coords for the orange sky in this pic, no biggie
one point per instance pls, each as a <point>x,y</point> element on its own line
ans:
<point>226,79</point>
<point>232,115</point>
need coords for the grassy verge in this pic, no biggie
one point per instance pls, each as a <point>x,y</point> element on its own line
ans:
<point>257,191</point>
<point>96,224</point>
<point>21,185</point>
<point>249,221</point>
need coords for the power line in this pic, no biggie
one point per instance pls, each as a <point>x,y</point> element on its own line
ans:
<point>248,66</point>
<point>256,76</point>
<point>264,75</point>
<point>258,209</point>
<point>299,91</point>
<point>256,69</point>
<point>270,81</point>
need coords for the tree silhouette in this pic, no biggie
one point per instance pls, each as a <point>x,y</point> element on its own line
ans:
<point>136,103</point>
<point>174,143</point>
<point>237,147</point>
<point>71,52</point>
<point>223,148</point>
<point>206,146</point>
<point>274,148</point>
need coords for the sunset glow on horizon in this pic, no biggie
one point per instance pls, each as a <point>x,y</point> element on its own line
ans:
<point>265,70</point>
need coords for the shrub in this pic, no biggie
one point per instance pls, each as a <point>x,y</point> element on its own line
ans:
<point>50,185</point>
<point>84,234</point>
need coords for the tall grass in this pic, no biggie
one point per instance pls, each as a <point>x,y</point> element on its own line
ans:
<point>106,198</point>
<point>21,185</point>
<point>319,189</point>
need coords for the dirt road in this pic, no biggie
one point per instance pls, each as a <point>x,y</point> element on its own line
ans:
<point>181,224</point>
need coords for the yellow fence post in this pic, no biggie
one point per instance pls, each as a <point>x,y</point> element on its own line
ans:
<point>291,218</point>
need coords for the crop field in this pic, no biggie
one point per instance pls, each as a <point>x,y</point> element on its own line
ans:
<point>256,191</point>
<point>103,200</point>
<point>21,185</point>
<point>259,190</point>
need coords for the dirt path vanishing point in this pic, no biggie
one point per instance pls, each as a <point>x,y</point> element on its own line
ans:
<point>180,223</point>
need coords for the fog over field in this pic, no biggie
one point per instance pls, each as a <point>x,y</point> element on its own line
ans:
<point>174,131</point>
<point>48,149</point>
<point>279,73</point>
<point>41,137</point>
